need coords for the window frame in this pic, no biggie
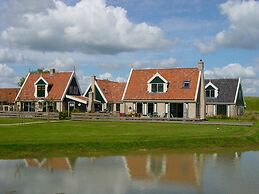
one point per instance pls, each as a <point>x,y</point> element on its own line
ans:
<point>41,89</point>
<point>186,82</point>
<point>157,88</point>
<point>210,92</point>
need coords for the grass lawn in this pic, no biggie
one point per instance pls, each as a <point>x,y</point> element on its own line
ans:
<point>15,120</point>
<point>252,103</point>
<point>84,137</point>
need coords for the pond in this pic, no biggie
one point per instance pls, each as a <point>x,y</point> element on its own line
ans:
<point>133,174</point>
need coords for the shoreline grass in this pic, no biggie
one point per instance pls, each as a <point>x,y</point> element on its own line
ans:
<point>89,137</point>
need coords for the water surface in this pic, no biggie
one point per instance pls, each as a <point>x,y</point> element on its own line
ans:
<point>133,174</point>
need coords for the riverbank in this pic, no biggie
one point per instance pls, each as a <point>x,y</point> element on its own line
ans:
<point>85,137</point>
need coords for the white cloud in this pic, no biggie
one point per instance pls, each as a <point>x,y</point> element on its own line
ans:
<point>106,75</point>
<point>248,75</point>
<point>162,63</point>
<point>109,76</point>
<point>90,26</point>
<point>65,64</point>
<point>205,46</point>
<point>121,79</point>
<point>250,86</point>
<point>170,62</point>
<point>83,80</point>
<point>8,77</point>
<point>233,70</point>
<point>8,56</point>
<point>243,30</point>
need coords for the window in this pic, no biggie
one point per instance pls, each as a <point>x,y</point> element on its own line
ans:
<point>117,107</point>
<point>41,88</point>
<point>210,92</point>
<point>157,84</point>
<point>186,84</point>
<point>157,88</point>
<point>41,91</point>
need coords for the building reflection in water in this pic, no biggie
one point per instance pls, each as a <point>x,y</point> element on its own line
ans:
<point>181,173</point>
<point>180,168</point>
<point>50,164</point>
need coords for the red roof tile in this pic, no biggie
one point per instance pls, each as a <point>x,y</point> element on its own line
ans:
<point>58,81</point>
<point>112,91</point>
<point>8,95</point>
<point>137,86</point>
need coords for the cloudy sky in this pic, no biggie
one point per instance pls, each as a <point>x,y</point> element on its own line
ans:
<point>107,37</point>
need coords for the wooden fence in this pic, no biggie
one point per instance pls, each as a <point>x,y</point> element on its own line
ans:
<point>112,117</point>
<point>32,115</point>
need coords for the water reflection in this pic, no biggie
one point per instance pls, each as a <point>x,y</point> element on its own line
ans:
<point>183,169</point>
<point>173,173</point>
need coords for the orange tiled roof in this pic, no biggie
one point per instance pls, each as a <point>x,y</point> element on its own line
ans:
<point>137,85</point>
<point>8,95</point>
<point>112,91</point>
<point>58,82</point>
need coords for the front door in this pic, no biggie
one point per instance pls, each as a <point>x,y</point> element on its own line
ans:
<point>176,110</point>
<point>221,109</point>
<point>150,108</point>
<point>139,108</point>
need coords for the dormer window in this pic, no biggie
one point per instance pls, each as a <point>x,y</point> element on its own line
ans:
<point>155,88</point>
<point>211,90</point>
<point>186,84</point>
<point>157,84</point>
<point>41,88</point>
<point>41,91</point>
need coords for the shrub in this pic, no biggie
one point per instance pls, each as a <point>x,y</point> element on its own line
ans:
<point>63,115</point>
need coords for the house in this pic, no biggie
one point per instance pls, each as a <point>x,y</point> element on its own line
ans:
<point>49,92</point>
<point>224,97</point>
<point>173,92</point>
<point>7,98</point>
<point>107,95</point>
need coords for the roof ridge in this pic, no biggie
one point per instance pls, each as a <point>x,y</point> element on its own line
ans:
<point>165,68</point>
<point>222,78</point>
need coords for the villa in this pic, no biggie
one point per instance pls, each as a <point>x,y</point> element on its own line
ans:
<point>49,92</point>
<point>174,92</point>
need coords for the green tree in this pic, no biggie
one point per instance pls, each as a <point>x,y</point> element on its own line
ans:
<point>39,70</point>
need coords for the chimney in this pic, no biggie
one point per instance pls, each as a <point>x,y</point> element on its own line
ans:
<point>52,71</point>
<point>92,95</point>
<point>200,65</point>
<point>202,97</point>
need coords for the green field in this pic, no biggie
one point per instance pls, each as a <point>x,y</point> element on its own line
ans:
<point>252,103</point>
<point>16,120</point>
<point>74,137</point>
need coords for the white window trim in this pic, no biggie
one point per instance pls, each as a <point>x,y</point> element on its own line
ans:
<point>46,87</point>
<point>157,75</point>
<point>149,84</point>
<point>150,88</point>
<point>215,87</point>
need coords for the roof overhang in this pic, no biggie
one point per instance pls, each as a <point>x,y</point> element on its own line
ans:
<point>82,99</point>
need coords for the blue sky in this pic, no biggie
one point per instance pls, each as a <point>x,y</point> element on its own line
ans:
<point>104,37</point>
